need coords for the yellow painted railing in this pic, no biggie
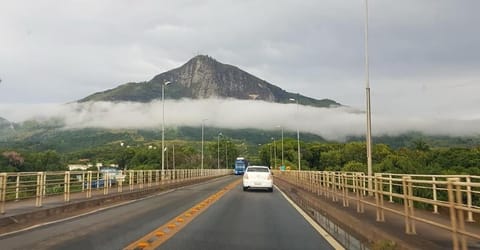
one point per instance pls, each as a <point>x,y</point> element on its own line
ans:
<point>455,195</point>
<point>38,186</point>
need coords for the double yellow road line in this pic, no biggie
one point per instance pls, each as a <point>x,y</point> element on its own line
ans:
<point>160,235</point>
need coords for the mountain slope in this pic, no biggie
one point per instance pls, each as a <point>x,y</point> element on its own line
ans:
<point>204,77</point>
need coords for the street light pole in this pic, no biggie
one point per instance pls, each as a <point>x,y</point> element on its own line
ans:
<point>218,150</point>
<point>298,136</point>
<point>173,155</point>
<point>274,152</point>
<point>226,154</point>
<point>283,162</point>
<point>203,122</point>
<point>163,127</point>
<point>166,152</point>
<point>270,151</point>
<point>369,112</point>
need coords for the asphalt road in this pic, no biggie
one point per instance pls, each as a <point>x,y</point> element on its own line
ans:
<point>239,220</point>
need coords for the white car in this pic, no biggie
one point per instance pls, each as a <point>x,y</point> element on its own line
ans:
<point>258,177</point>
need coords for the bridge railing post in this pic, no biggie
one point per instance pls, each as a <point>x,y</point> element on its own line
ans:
<point>39,191</point>
<point>378,185</point>
<point>3,191</point>
<point>89,184</point>
<point>120,182</point>
<point>149,178</point>
<point>106,182</point>
<point>334,185</point>
<point>344,189</point>
<point>434,193</point>
<point>408,205</point>
<point>84,179</point>
<point>326,176</point>
<point>469,199</point>
<point>98,180</point>
<point>66,187</point>
<point>17,187</point>
<point>390,187</point>
<point>313,182</point>
<point>359,192</point>
<point>456,215</point>
<point>131,179</point>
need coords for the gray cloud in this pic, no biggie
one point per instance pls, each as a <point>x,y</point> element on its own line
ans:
<point>333,124</point>
<point>424,55</point>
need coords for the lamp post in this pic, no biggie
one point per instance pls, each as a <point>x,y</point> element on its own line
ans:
<point>173,155</point>
<point>283,162</point>
<point>218,150</point>
<point>203,125</point>
<point>298,135</point>
<point>270,152</point>
<point>163,128</point>
<point>274,152</point>
<point>369,112</point>
<point>166,156</point>
<point>226,154</point>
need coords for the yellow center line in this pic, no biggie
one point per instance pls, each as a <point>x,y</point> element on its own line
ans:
<point>160,235</point>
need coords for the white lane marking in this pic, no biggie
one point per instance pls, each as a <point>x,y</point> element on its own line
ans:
<point>329,238</point>
<point>99,210</point>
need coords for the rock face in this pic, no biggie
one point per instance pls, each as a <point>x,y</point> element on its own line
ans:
<point>205,77</point>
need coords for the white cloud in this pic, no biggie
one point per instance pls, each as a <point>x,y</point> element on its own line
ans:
<point>331,123</point>
<point>61,51</point>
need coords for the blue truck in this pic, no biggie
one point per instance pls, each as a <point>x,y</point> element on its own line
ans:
<point>241,165</point>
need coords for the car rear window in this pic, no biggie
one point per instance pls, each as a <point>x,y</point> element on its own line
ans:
<point>258,170</point>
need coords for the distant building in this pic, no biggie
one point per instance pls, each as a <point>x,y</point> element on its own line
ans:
<point>81,167</point>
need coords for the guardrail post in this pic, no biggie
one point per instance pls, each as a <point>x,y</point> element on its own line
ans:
<point>17,187</point>
<point>39,193</point>
<point>150,178</point>
<point>469,200</point>
<point>66,187</point>
<point>106,182</point>
<point>379,197</point>
<point>357,186</point>
<point>460,215</point>
<point>456,215</point>
<point>313,182</point>
<point>344,190</point>
<point>408,205</point>
<point>120,182</point>
<point>335,187</point>
<point>3,191</point>
<point>325,184</point>
<point>364,186</point>
<point>89,184</point>
<point>83,181</point>
<point>98,179</point>
<point>390,187</point>
<point>131,179</point>
<point>44,185</point>
<point>434,190</point>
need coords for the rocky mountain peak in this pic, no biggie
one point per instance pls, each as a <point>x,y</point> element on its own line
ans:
<point>204,77</point>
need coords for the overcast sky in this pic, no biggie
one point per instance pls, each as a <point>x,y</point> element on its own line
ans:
<point>424,54</point>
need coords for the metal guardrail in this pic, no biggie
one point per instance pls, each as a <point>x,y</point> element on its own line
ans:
<point>455,194</point>
<point>38,186</point>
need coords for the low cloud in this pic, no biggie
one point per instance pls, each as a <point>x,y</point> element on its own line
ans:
<point>330,123</point>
